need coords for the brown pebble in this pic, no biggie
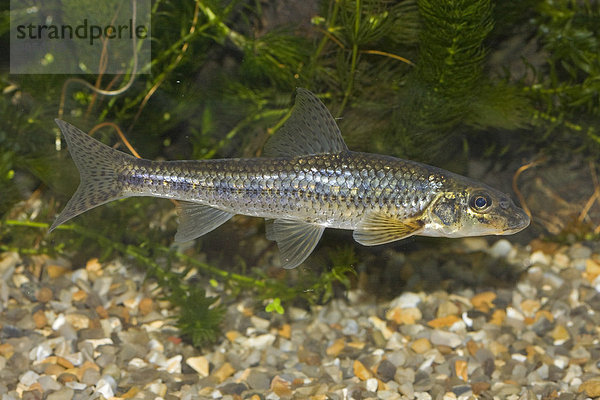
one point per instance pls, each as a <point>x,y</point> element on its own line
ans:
<point>232,335</point>
<point>93,266</point>
<point>44,295</point>
<point>443,349</point>
<point>560,334</point>
<point>281,387</point>
<point>39,319</point>
<point>544,313</point>
<point>63,362</point>
<point>285,331</point>
<point>421,345</point>
<point>357,345</point>
<point>80,295</point>
<point>131,392</point>
<point>53,369</point>
<point>404,315</point>
<point>6,350</point>
<point>460,366</point>
<point>544,246</point>
<point>498,317</point>
<point>55,271</point>
<point>223,372</point>
<point>308,357</point>
<point>361,372</point>
<point>443,322</point>
<point>102,313</point>
<point>480,387</point>
<point>590,387</point>
<point>530,307</point>
<point>483,301</point>
<point>592,270</point>
<point>67,377</point>
<point>472,347</point>
<point>146,305</point>
<point>88,365</point>
<point>336,347</point>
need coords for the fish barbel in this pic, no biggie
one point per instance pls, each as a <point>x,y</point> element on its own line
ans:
<point>307,181</point>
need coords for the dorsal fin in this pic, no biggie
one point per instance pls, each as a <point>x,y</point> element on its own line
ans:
<point>310,129</point>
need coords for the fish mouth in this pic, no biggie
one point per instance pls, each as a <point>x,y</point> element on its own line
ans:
<point>518,221</point>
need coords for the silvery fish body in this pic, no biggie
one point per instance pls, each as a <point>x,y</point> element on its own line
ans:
<point>307,182</point>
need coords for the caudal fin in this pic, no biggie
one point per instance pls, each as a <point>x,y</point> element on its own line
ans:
<point>98,167</point>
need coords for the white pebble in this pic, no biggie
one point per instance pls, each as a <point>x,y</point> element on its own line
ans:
<point>154,344</point>
<point>500,249</point>
<point>406,300</point>
<point>539,257</point>
<point>137,362</point>
<point>561,362</point>
<point>40,352</point>
<point>371,385</point>
<point>473,244</point>
<point>29,378</point>
<point>260,323</point>
<point>199,364</point>
<point>74,358</point>
<point>561,260</point>
<point>445,338</point>
<point>58,322</point>
<point>513,313</point>
<point>468,321</point>
<point>102,285</point>
<point>260,342</point>
<point>104,388</point>
<point>422,396</point>
<point>49,383</point>
<point>297,314</point>
<point>173,364</point>
<point>79,275</point>
<point>76,385</point>
<point>157,387</point>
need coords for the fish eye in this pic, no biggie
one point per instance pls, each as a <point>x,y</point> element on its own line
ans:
<point>480,202</point>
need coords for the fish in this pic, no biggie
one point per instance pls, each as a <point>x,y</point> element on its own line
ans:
<point>306,180</point>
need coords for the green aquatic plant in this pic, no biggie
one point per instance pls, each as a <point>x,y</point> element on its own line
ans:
<point>412,78</point>
<point>567,85</point>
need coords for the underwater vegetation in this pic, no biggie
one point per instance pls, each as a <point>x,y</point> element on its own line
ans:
<point>429,80</point>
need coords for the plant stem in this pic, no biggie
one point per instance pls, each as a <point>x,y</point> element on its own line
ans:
<point>142,256</point>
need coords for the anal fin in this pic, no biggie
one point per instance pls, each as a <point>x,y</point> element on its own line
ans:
<point>197,219</point>
<point>295,239</point>
<point>379,228</point>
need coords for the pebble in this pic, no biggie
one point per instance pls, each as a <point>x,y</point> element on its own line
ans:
<point>443,338</point>
<point>64,393</point>
<point>199,364</point>
<point>406,300</point>
<point>500,249</point>
<point>111,335</point>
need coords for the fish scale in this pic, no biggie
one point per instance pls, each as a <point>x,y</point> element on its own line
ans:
<point>307,181</point>
<point>329,189</point>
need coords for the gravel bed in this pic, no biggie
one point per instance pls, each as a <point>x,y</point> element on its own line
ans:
<point>101,331</point>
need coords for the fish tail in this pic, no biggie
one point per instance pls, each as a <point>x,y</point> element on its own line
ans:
<point>98,166</point>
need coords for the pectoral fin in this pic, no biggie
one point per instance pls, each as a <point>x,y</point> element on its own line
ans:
<point>196,219</point>
<point>295,239</point>
<point>378,228</point>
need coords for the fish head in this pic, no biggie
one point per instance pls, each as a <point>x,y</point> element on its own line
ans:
<point>474,210</point>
